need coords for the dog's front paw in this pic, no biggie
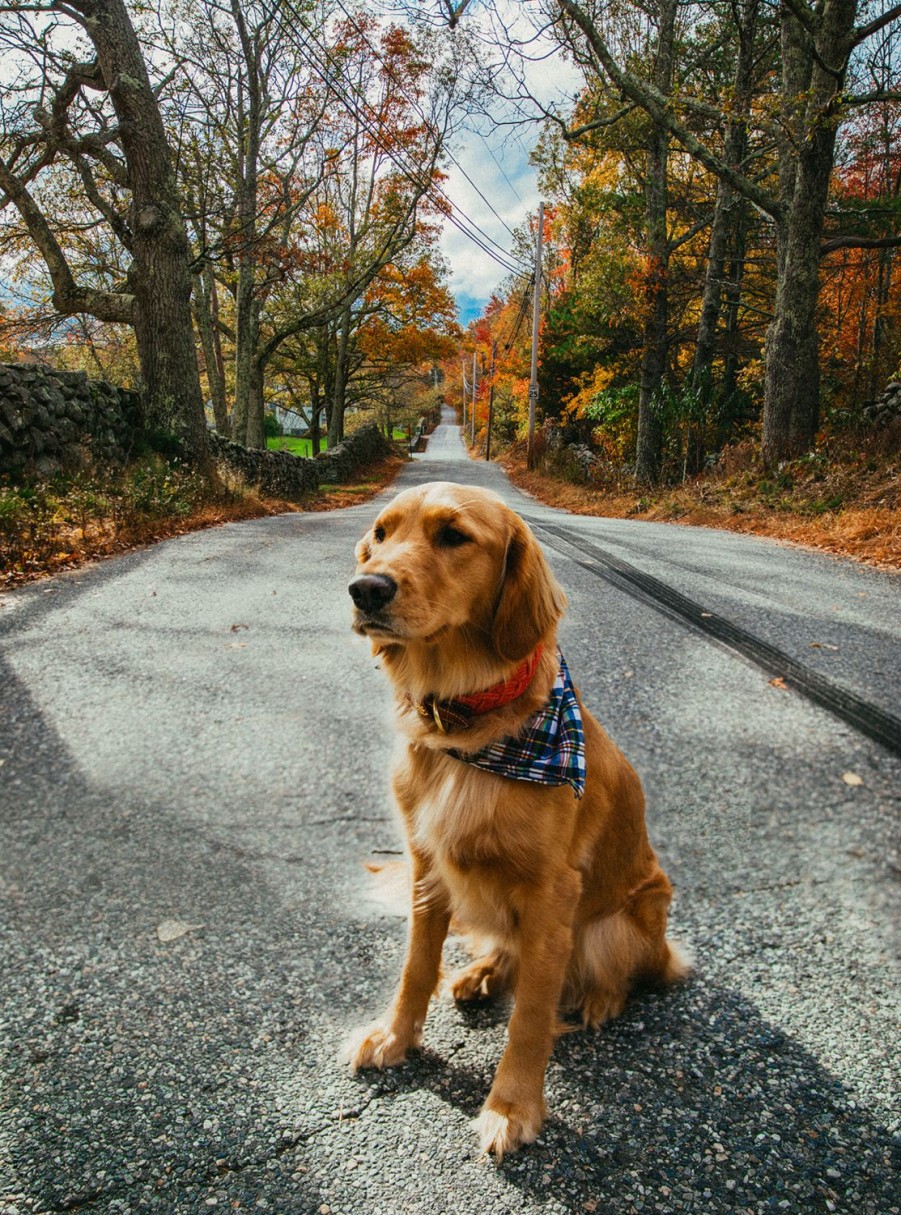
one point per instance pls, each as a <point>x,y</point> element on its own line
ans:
<point>376,1046</point>
<point>503,1126</point>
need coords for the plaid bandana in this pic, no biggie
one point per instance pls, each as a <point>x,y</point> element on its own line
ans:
<point>549,749</point>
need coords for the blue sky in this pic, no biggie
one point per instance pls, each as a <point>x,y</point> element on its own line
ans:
<point>495,162</point>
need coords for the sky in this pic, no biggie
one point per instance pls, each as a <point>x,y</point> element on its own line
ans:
<point>497,162</point>
<point>494,160</point>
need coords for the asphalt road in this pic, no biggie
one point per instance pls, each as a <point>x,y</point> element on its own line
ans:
<point>194,756</point>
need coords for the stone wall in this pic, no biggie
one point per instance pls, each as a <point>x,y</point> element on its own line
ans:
<point>282,475</point>
<point>55,420</point>
<point>886,408</point>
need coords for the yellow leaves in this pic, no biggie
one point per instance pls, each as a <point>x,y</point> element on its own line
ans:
<point>325,218</point>
<point>591,384</point>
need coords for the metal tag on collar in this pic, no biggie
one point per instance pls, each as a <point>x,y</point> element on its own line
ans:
<point>437,716</point>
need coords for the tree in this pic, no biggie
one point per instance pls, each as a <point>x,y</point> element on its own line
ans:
<point>101,115</point>
<point>252,104</point>
<point>817,45</point>
<point>374,207</point>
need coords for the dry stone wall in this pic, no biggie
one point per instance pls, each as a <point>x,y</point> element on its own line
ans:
<point>281,475</point>
<point>56,420</point>
<point>886,408</point>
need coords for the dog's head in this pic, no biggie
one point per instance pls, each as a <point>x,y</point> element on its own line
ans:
<point>442,558</point>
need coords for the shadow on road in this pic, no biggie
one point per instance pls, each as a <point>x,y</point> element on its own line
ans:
<point>690,1100</point>
<point>199,1072</point>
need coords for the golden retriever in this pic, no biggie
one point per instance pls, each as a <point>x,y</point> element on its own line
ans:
<point>562,894</point>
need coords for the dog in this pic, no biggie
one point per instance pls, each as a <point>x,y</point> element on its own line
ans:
<point>524,822</point>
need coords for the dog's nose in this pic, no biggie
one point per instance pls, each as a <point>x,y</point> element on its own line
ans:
<point>372,592</point>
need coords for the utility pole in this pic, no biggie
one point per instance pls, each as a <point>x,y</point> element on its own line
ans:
<point>536,311</point>
<point>490,401</point>
<point>463,372</point>
<point>475,388</point>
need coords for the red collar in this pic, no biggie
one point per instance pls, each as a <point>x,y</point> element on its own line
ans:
<point>457,711</point>
<point>502,693</point>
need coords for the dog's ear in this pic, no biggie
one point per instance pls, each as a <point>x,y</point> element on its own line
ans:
<point>531,600</point>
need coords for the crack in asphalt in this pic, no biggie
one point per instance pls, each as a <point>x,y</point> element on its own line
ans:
<point>222,1168</point>
<point>882,727</point>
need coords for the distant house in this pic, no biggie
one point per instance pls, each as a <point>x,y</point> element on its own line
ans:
<point>293,422</point>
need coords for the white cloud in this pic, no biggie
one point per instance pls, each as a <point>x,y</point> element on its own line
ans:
<point>495,158</point>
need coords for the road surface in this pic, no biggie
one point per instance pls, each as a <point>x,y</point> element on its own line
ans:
<point>194,759</point>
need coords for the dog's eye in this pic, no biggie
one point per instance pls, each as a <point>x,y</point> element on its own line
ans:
<point>378,534</point>
<point>450,537</point>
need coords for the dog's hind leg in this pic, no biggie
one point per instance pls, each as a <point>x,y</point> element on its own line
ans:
<point>483,978</point>
<point>611,952</point>
<point>605,958</point>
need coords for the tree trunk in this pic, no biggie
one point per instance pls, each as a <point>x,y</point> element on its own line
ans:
<point>733,297</point>
<point>649,448</point>
<point>256,425</point>
<point>247,331</point>
<point>727,200</point>
<point>159,276</point>
<point>315,415</point>
<point>247,423</point>
<point>339,391</point>
<point>205,316</point>
<point>728,214</point>
<point>880,317</point>
<point>791,385</point>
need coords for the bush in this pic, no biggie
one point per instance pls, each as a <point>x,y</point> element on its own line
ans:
<point>272,428</point>
<point>42,523</point>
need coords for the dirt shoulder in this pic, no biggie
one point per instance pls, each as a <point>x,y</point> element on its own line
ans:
<point>845,503</point>
<point>66,543</point>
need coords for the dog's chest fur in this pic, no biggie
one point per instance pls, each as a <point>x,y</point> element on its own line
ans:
<point>453,816</point>
<point>465,820</point>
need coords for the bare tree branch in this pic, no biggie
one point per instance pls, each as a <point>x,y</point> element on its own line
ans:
<point>660,110</point>
<point>68,296</point>
<point>859,242</point>
<point>862,32</point>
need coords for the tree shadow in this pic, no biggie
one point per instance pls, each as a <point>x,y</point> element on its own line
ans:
<point>691,1101</point>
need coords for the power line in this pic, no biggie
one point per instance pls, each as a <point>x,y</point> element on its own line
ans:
<point>354,110</point>
<point>422,115</point>
<point>523,308</point>
<point>500,168</point>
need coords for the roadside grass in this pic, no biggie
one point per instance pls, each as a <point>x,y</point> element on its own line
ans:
<point>297,447</point>
<point>843,497</point>
<point>62,523</point>
<point>304,447</point>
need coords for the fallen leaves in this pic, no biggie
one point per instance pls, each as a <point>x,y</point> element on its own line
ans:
<point>779,682</point>
<point>822,645</point>
<point>173,930</point>
<point>852,779</point>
